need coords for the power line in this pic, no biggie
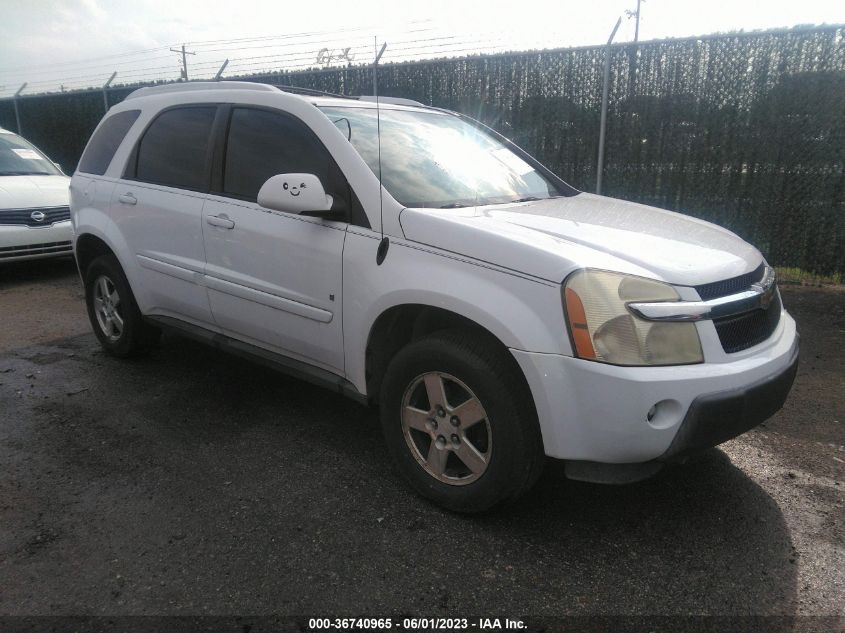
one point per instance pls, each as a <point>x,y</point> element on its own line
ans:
<point>193,44</point>
<point>92,67</point>
<point>300,55</point>
<point>92,70</point>
<point>372,27</point>
<point>91,59</point>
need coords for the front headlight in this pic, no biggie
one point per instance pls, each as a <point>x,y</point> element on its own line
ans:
<point>604,330</point>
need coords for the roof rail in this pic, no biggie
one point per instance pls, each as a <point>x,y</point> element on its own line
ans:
<point>310,91</point>
<point>393,100</point>
<point>323,93</point>
<point>192,86</point>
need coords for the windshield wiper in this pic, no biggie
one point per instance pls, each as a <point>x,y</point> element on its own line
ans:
<point>527,199</point>
<point>453,205</point>
<point>24,173</point>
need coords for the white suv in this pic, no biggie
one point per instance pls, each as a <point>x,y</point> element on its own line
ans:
<point>494,313</point>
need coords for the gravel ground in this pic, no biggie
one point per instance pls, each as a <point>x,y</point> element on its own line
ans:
<point>192,482</point>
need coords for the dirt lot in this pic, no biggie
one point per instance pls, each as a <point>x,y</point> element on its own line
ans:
<point>192,482</point>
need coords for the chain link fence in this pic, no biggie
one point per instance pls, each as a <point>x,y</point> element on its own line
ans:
<point>745,130</point>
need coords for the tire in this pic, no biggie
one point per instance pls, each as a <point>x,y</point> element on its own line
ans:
<point>463,465</point>
<point>113,312</point>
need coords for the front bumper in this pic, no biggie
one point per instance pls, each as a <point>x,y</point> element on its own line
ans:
<point>717,417</point>
<point>19,243</point>
<point>594,412</point>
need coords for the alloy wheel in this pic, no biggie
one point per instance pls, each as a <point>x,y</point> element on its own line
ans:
<point>446,428</point>
<point>107,308</point>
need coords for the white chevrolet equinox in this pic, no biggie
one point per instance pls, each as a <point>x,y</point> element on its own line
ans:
<point>412,258</point>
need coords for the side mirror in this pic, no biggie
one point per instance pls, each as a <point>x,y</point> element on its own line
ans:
<point>295,193</point>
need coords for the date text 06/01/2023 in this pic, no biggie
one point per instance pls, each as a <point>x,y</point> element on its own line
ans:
<point>489,624</point>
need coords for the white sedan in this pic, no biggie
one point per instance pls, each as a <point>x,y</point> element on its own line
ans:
<point>34,213</point>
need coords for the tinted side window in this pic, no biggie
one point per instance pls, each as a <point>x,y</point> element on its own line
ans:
<point>262,144</point>
<point>173,150</point>
<point>108,137</point>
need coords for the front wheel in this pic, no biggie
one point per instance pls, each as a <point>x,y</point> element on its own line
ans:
<point>113,312</point>
<point>459,422</point>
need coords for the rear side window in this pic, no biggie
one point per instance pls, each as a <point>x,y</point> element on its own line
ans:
<point>108,137</point>
<point>174,149</point>
<point>262,144</point>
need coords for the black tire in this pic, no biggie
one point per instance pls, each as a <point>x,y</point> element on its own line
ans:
<point>515,457</point>
<point>135,336</point>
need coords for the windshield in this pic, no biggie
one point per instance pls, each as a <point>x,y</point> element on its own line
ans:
<point>19,158</point>
<point>433,159</point>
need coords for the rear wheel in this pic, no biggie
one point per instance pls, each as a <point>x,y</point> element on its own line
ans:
<point>113,312</point>
<point>459,422</point>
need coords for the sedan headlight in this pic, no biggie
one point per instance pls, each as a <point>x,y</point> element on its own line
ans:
<point>603,329</point>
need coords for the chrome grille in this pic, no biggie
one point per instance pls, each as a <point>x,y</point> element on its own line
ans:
<point>23,217</point>
<point>730,286</point>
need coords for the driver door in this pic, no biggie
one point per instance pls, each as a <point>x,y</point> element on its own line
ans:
<point>274,279</point>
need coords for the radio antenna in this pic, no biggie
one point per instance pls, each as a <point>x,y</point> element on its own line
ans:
<point>383,245</point>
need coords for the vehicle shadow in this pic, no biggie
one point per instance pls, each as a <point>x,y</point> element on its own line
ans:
<point>701,537</point>
<point>272,495</point>
<point>23,272</point>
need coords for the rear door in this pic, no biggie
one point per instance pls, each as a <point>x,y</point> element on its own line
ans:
<point>158,207</point>
<point>274,279</point>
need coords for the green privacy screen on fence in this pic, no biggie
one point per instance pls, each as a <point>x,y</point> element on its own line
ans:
<point>745,130</point>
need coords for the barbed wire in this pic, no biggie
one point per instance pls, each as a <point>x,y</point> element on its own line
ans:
<point>285,53</point>
<point>237,44</point>
<point>200,43</point>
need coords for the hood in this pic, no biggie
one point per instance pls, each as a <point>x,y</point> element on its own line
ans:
<point>551,238</point>
<point>24,192</point>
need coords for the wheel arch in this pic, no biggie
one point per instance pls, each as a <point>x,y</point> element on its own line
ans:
<point>88,247</point>
<point>401,324</point>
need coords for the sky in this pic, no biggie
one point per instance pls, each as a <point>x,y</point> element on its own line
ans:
<point>79,43</point>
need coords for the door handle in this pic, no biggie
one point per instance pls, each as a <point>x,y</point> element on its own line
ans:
<point>220,220</point>
<point>127,198</point>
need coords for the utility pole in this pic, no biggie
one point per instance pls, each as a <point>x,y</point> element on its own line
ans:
<point>184,60</point>
<point>636,16</point>
<point>637,24</point>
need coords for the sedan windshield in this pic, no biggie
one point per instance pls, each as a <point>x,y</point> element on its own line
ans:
<point>19,158</point>
<point>434,159</point>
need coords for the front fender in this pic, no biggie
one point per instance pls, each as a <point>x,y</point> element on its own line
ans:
<point>523,313</point>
